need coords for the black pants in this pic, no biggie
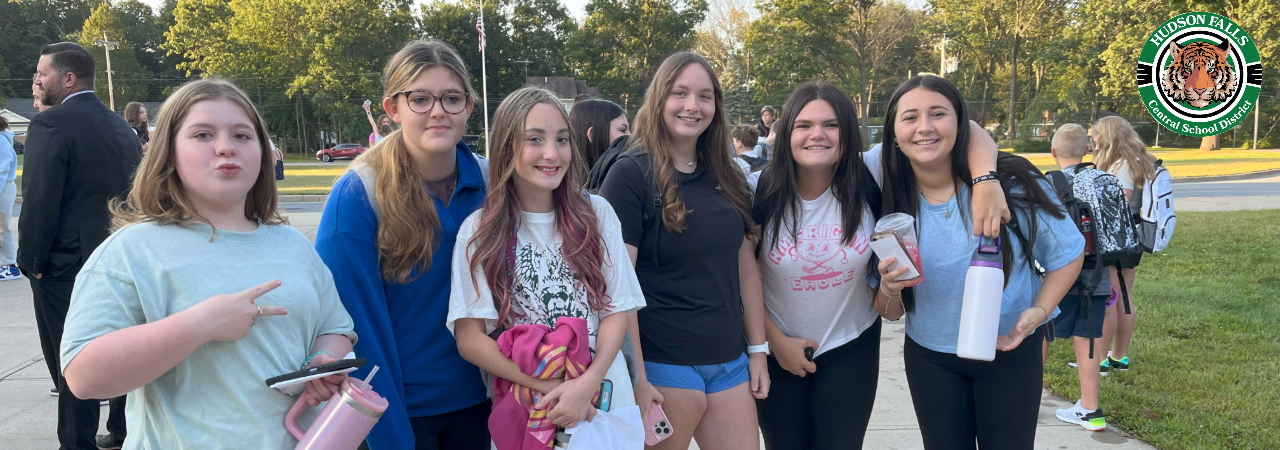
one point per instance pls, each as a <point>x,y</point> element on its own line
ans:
<point>465,429</point>
<point>827,409</point>
<point>959,400</point>
<point>77,418</point>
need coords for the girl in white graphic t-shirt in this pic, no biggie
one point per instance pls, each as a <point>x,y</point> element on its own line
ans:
<point>541,249</point>
<point>823,327</point>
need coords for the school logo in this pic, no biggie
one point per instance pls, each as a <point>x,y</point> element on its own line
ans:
<point>1199,74</point>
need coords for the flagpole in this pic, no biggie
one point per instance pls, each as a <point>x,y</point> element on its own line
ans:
<point>484,82</point>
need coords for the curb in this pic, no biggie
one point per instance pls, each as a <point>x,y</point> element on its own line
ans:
<point>1239,176</point>
<point>313,198</point>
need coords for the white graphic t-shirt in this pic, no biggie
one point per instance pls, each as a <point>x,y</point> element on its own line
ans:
<point>545,287</point>
<point>814,287</point>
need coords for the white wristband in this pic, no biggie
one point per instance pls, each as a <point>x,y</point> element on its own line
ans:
<point>762,348</point>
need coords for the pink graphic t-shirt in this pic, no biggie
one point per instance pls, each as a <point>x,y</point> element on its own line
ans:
<point>814,287</point>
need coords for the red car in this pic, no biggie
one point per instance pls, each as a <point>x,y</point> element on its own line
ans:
<point>348,151</point>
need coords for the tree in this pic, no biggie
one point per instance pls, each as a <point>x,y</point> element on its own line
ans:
<point>543,28</point>
<point>29,24</point>
<point>792,42</point>
<point>721,40</point>
<point>622,42</point>
<point>456,25</point>
<point>131,80</point>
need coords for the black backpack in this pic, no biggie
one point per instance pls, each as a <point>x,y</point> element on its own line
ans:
<point>596,177</point>
<point>754,162</point>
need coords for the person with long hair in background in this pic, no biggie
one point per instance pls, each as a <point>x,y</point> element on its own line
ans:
<point>389,227</point>
<point>1119,151</point>
<point>136,114</point>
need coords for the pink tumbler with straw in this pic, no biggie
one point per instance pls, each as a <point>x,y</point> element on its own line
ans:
<point>345,421</point>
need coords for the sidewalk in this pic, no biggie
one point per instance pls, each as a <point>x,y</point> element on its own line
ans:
<point>28,414</point>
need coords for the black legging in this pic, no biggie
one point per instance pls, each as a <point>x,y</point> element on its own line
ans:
<point>958,400</point>
<point>827,409</point>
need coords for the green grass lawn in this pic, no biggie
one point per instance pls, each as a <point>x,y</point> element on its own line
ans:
<point>1205,367</point>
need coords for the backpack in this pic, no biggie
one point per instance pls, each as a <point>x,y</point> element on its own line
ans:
<point>1095,201</point>
<point>1156,211</point>
<point>753,162</point>
<point>595,178</point>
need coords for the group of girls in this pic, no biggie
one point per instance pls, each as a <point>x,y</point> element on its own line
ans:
<point>436,250</point>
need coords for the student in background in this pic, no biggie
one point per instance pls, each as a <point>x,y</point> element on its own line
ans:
<point>1081,319</point>
<point>1119,151</point>
<point>136,114</point>
<point>596,125</point>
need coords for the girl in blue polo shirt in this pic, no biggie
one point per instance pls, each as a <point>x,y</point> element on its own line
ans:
<point>388,232</point>
<point>961,403</point>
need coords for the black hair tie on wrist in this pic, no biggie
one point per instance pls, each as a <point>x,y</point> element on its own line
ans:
<point>988,177</point>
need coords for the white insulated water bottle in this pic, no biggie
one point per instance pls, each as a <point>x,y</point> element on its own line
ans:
<point>980,311</point>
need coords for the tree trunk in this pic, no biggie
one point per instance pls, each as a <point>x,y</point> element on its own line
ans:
<point>1093,115</point>
<point>865,98</point>
<point>1013,89</point>
<point>986,94</point>
<point>1210,143</point>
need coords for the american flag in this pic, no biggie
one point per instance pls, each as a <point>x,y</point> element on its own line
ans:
<point>480,29</point>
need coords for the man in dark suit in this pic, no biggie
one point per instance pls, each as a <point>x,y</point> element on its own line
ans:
<point>80,155</point>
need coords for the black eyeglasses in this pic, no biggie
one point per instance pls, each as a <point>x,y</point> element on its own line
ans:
<point>421,102</point>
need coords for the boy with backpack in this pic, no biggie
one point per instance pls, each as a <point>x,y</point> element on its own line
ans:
<point>1095,200</point>
<point>747,157</point>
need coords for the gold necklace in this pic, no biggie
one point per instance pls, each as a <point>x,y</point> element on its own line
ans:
<point>945,212</point>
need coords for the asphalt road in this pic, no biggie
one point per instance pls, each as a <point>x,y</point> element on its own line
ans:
<point>1241,188</point>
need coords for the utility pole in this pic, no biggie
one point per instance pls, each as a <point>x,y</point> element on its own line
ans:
<point>526,68</point>
<point>1257,111</point>
<point>108,46</point>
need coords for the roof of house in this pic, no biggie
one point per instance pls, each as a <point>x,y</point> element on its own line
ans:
<point>563,87</point>
<point>22,107</point>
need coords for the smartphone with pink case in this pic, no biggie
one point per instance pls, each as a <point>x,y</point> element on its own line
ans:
<point>657,428</point>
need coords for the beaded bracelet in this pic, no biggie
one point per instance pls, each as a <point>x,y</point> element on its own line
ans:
<point>313,355</point>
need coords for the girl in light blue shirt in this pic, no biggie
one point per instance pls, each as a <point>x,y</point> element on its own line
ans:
<point>963,403</point>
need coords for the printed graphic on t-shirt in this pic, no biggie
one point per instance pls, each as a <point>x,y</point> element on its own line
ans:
<point>546,288</point>
<point>818,246</point>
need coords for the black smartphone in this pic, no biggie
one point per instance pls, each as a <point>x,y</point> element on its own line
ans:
<point>808,353</point>
<point>319,370</point>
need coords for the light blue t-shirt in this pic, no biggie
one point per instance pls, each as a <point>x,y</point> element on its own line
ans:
<point>216,397</point>
<point>946,247</point>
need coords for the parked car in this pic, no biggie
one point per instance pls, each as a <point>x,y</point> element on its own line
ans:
<point>340,151</point>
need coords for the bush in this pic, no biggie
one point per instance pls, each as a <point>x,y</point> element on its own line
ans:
<point>1030,146</point>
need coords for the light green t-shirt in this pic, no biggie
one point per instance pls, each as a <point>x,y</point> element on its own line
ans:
<point>216,397</point>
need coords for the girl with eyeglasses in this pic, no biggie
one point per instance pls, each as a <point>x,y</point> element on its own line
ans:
<point>389,230</point>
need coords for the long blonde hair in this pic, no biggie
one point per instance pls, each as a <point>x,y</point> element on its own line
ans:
<point>409,228</point>
<point>652,137</point>
<point>1118,141</point>
<point>157,194</point>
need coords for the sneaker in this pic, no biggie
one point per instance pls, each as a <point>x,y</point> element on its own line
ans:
<point>109,442</point>
<point>1089,420</point>
<point>1112,364</point>
<point>9,272</point>
<point>53,391</point>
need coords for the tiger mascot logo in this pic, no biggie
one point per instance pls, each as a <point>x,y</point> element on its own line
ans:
<point>1199,74</point>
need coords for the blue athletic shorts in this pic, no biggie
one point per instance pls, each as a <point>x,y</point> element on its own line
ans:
<point>1072,321</point>
<point>709,378</point>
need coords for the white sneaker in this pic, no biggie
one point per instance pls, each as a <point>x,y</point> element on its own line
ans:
<point>9,272</point>
<point>1089,420</point>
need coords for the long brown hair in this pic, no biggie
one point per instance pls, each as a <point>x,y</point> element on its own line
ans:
<point>1117,141</point>
<point>133,114</point>
<point>652,137</point>
<point>409,228</point>
<point>157,194</point>
<point>500,217</point>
